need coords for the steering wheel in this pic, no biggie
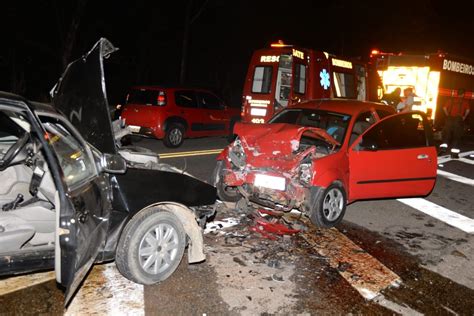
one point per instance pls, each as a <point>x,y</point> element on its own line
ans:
<point>13,151</point>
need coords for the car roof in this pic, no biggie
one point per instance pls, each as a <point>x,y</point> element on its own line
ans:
<point>43,107</point>
<point>351,107</point>
<point>12,96</point>
<point>22,102</point>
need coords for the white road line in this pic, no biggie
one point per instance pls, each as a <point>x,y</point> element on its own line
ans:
<point>455,177</point>
<point>449,217</point>
<point>107,292</point>
<point>17,283</point>
<point>362,271</point>
<point>402,310</point>
<point>468,161</point>
<point>446,158</point>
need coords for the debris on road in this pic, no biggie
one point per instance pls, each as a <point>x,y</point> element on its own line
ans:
<point>216,226</point>
<point>269,228</point>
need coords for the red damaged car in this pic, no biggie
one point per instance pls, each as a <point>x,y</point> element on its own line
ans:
<point>319,155</point>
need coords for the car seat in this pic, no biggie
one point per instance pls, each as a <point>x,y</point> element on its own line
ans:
<point>359,128</point>
<point>14,232</point>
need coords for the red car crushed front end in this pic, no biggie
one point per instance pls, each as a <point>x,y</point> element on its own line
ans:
<point>272,164</point>
<point>321,155</point>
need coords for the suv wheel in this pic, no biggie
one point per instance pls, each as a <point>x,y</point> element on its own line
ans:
<point>329,207</point>
<point>151,247</point>
<point>174,135</point>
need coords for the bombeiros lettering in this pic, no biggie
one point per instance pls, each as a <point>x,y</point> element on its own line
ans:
<point>341,63</point>
<point>456,66</point>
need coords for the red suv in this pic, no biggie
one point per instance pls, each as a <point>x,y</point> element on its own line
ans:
<point>172,114</point>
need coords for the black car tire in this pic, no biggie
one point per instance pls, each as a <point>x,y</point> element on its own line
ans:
<point>329,205</point>
<point>130,257</point>
<point>225,193</point>
<point>174,135</point>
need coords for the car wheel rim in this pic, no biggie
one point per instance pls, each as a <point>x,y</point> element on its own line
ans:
<point>158,248</point>
<point>333,204</point>
<point>175,136</point>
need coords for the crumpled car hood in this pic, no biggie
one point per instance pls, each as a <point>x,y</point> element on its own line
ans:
<point>80,95</point>
<point>279,138</point>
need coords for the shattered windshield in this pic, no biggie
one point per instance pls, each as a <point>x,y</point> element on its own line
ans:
<point>335,124</point>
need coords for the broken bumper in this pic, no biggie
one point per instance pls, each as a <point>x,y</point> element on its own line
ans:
<point>268,188</point>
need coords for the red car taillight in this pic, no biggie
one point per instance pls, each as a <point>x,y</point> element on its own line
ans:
<point>161,99</point>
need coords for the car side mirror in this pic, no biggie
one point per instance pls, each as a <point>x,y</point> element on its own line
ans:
<point>368,144</point>
<point>113,164</point>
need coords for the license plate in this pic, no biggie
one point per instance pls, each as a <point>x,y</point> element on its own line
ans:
<point>271,182</point>
<point>134,128</point>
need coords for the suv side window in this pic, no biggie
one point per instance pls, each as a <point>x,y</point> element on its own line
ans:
<point>185,99</point>
<point>361,124</point>
<point>210,101</point>
<point>408,130</point>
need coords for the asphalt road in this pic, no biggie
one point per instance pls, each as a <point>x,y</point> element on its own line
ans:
<point>407,256</point>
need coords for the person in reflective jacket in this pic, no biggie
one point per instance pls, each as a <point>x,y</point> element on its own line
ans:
<point>456,111</point>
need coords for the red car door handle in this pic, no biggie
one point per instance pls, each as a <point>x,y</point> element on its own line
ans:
<point>422,156</point>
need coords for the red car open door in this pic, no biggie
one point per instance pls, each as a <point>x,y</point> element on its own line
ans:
<point>396,157</point>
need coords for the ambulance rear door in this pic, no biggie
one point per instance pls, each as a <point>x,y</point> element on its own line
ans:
<point>299,90</point>
<point>344,78</point>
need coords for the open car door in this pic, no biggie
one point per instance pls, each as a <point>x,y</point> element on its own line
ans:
<point>395,157</point>
<point>83,212</point>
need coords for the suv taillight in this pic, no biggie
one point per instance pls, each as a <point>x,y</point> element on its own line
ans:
<point>161,98</point>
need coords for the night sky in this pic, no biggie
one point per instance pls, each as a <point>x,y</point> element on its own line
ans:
<point>222,37</point>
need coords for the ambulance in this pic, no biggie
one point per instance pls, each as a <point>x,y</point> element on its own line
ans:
<point>284,74</point>
<point>433,77</point>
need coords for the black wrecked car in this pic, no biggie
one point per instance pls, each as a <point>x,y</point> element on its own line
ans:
<point>70,196</point>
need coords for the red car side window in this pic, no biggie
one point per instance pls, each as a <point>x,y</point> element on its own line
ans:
<point>398,132</point>
<point>185,99</point>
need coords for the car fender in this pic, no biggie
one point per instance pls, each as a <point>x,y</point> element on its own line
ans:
<point>328,177</point>
<point>223,154</point>
<point>175,119</point>
<point>190,225</point>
